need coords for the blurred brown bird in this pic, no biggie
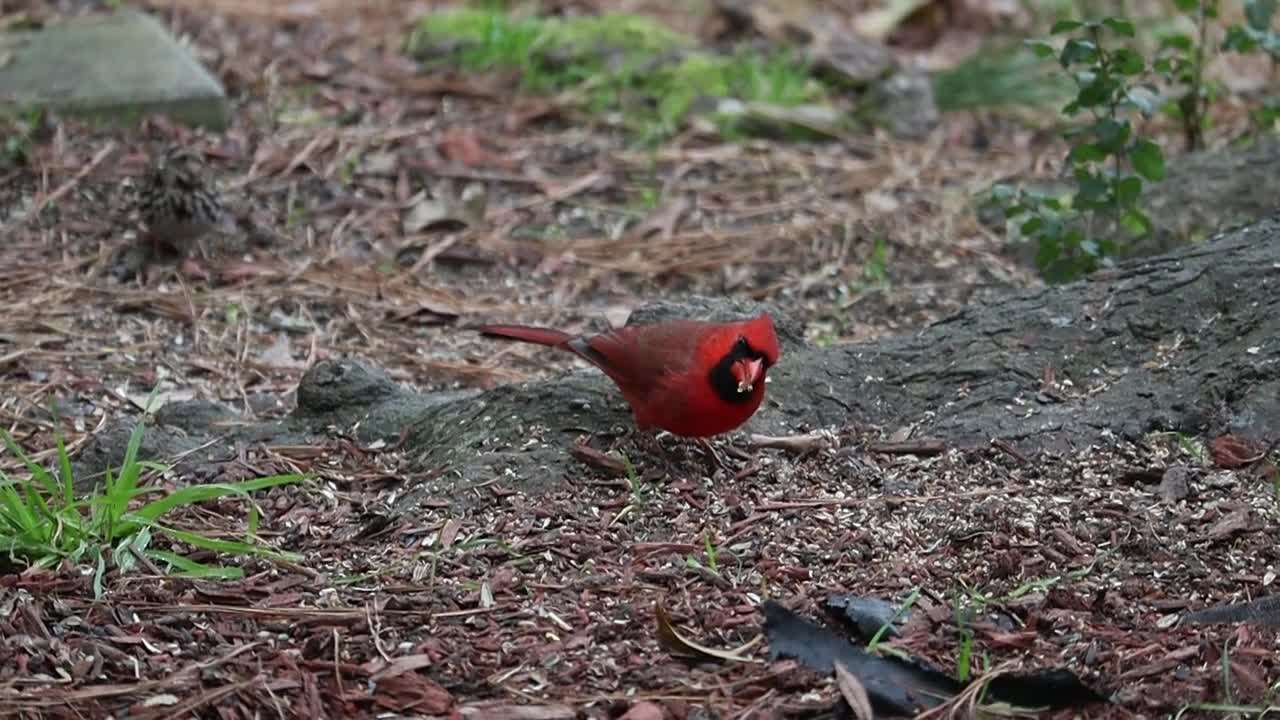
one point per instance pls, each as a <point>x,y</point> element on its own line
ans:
<point>181,205</point>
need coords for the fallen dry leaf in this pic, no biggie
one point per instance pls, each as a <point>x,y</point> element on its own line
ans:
<point>280,354</point>
<point>675,643</point>
<point>1233,451</point>
<point>380,669</point>
<point>599,460</point>
<point>462,146</point>
<point>644,710</point>
<point>853,693</point>
<point>1239,521</point>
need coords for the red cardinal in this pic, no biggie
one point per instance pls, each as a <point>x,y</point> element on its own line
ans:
<point>688,377</point>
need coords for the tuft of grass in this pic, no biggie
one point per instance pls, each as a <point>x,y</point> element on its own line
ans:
<point>710,561</point>
<point>20,137</point>
<point>633,67</point>
<point>549,53</point>
<point>1000,76</point>
<point>44,524</point>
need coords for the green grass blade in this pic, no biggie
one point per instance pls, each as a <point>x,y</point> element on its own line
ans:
<point>233,547</point>
<point>123,555</point>
<point>64,467</point>
<point>15,510</point>
<point>98,504</point>
<point>121,491</point>
<point>192,569</point>
<point>199,493</point>
<point>37,472</point>
<point>31,549</point>
<point>37,504</point>
<point>251,527</point>
<point>130,469</point>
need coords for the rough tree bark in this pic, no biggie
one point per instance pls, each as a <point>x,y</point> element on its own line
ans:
<point>1188,341</point>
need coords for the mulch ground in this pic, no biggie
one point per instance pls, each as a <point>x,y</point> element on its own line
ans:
<point>544,606</point>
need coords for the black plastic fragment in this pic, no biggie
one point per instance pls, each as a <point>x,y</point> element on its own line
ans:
<point>1053,688</point>
<point>904,687</point>
<point>865,615</point>
<point>1265,611</point>
<point>893,686</point>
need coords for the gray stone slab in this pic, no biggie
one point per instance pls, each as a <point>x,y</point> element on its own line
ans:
<point>113,68</point>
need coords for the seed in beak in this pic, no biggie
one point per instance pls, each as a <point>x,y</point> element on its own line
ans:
<point>749,374</point>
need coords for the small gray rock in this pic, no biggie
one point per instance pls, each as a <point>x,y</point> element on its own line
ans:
<point>1173,486</point>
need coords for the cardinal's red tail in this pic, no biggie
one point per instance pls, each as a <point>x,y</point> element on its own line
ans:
<point>539,336</point>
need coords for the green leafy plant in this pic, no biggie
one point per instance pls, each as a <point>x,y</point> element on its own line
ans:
<point>20,137</point>
<point>43,523</point>
<point>1257,33</point>
<point>710,561</point>
<point>1180,60</point>
<point>1108,162</point>
<point>876,270</point>
<point>1264,117</point>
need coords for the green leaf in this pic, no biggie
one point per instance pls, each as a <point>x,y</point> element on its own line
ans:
<point>1258,13</point>
<point>1137,222</point>
<point>1127,190</point>
<point>1065,26</point>
<point>1040,48</point>
<point>1127,62</point>
<point>1086,153</point>
<point>1187,6</point>
<point>1112,135</point>
<point>1078,52</point>
<point>1091,192</point>
<point>1176,41</point>
<point>1049,251</point>
<point>1032,226</point>
<point>1239,40</point>
<point>1097,92</point>
<point>1147,160</point>
<point>1119,26</point>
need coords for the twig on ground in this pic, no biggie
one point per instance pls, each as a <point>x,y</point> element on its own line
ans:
<point>809,442</point>
<point>927,446</point>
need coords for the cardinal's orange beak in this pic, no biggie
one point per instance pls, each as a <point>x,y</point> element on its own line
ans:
<point>748,373</point>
